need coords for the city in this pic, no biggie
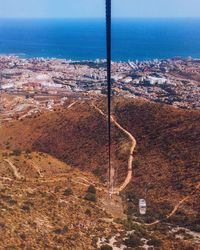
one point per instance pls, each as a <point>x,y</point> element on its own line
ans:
<point>36,84</point>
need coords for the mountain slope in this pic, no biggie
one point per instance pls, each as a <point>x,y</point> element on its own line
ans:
<point>166,160</point>
<point>46,208</point>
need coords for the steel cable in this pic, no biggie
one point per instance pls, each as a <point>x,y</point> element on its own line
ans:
<point>109,84</point>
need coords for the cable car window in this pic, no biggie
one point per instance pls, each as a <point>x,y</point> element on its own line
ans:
<point>99,124</point>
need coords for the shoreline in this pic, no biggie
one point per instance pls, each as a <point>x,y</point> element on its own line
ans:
<point>97,60</point>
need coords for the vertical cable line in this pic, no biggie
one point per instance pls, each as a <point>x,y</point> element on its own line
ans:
<point>109,85</point>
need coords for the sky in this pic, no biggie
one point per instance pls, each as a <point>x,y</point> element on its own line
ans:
<point>95,8</point>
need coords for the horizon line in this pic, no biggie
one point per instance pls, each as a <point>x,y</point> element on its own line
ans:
<point>114,17</point>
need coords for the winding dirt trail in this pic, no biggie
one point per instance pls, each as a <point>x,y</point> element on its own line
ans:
<point>129,175</point>
<point>17,175</point>
<point>173,212</point>
<point>132,149</point>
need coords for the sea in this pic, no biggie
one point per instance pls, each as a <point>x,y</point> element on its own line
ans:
<point>84,39</point>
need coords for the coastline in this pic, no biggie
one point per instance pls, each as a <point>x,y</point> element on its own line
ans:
<point>96,60</point>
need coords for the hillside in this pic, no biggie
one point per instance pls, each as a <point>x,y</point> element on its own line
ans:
<point>166,160</point>
<point>43,207</point>
<point>166,167</point>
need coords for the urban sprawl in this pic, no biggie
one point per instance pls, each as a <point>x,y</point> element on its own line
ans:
<point>40,83</point>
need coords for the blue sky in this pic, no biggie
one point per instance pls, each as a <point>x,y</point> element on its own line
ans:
<point>95,8</point>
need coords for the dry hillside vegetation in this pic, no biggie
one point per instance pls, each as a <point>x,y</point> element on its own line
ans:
<point>166,159</point>
<point>46,207</point>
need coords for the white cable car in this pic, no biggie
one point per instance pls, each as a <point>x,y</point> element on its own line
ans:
<point>142,206</point>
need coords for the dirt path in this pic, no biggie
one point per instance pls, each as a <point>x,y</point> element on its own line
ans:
<point>71,105</point>
<point>130,159</point>
<point>17,175</point>
<point>29,113</point>
<point>180,203</point>
<point>5,178</point>
<point>129,175</point>
<point>37,169</point>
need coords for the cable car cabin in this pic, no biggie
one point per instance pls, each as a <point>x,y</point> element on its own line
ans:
<point>142,206</point>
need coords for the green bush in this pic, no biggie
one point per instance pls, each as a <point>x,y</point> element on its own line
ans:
<point>106,247</point>
<point>90,197</point>
<point>91,194</point>
<point>133,241</point>
<point>16,152</point>
<point>68,192</point>
<point>88,212</point>
<point>91,189</point>
<point>62,231</point>
<point>12,202</point>
<point>140,231</point>
<point>155,242</point>
<point>26,206</point>
<point>131,210</point>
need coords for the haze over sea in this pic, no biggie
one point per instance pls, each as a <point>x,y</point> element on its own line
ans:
<point>84,39</point>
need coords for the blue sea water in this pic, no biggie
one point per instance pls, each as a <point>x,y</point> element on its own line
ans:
<point>83,39</point>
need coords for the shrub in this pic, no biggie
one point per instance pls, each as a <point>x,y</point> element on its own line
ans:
<point>17,152</point>
<point>62,231</point>
<point>68,192</point>
<point>26,206</point>
<point>91,194</point>
<point>90,197</point>
<point>106,247</point>
<point>131,210</point>
<point>12,202</point>
<point>91,189</point>
<point>133,241</point>
<point>155,242</point>
<point>140,231</point>
<point>88,212</point>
